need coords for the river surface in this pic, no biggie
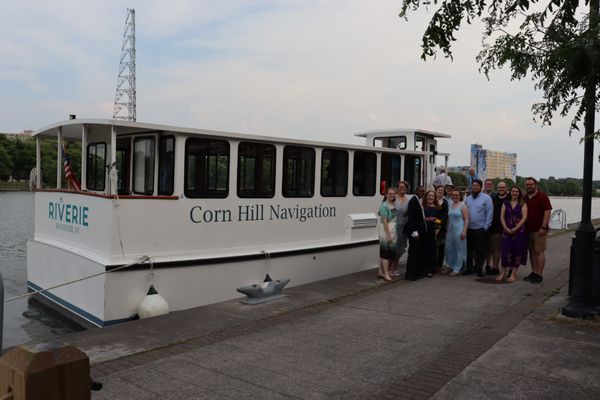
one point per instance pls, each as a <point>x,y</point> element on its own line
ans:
<point>25,321</point>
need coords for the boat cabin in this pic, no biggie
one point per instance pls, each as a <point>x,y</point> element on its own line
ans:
<point>201,213</point>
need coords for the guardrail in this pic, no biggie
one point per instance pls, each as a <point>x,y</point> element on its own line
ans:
<point>558,219</point>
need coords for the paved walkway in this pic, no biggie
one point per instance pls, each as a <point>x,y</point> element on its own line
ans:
<point>356,338</point>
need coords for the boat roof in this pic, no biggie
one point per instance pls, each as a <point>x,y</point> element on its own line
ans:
<point>72,129</point>
<point>396,132</point>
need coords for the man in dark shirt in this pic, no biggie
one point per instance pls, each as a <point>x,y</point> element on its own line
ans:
<point>538,217</point>
<point>493,256</point>
<point>415,228</point>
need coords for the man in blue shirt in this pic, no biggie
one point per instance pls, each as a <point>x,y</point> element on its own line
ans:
<point>472,176</point>
<point>481,213</point>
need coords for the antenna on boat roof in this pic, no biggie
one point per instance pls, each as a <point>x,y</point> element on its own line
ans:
<point>126,92</point>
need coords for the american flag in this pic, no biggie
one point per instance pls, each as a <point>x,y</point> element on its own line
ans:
<point>69,174</point>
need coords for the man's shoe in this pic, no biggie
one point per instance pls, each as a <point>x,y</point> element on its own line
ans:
<point>494,271</point>
<point>480,273</point>
<point>528,277</point>
<point>467,272</point>
<point>488,269</point>
<point>536,279</point>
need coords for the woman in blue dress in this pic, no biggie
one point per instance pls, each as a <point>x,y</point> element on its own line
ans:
<point>456,235</point>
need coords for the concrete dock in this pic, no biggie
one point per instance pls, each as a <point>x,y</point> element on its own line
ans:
<point>355,337</point>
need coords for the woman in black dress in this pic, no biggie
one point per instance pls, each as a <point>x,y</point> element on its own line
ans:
<point>429,246</point>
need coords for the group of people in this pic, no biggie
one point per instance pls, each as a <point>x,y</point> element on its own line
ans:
<point>491,232</point>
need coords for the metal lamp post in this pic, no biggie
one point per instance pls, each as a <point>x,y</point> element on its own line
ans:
<point>584,299</point>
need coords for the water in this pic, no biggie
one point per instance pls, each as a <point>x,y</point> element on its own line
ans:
<point>572,206</point>
<point>24,322</point>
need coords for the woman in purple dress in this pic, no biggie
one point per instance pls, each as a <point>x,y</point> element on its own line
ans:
<point>514,239</point>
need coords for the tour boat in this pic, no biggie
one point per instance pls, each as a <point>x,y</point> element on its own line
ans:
<point>198,213</point>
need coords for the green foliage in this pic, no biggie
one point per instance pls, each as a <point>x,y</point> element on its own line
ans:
<point>17,159</point>
<point>555,43</point>
<point>458,179</point>
<point>5,158</point>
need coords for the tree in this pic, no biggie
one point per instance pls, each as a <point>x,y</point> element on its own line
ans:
<point>6,161</point>
<point>23,158</point>
<point>555,45</point>
<point>558,45</point>
<point>458,179</point>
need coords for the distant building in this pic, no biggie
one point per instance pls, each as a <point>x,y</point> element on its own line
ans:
<point>26,134</point>
<point>493,164</point>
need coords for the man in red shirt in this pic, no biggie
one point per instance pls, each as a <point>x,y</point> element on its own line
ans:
<point>538,217</point>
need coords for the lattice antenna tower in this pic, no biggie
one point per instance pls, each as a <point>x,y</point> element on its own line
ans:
<point>126,91</point>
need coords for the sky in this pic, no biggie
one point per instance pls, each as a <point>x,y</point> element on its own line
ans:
<point>320,70</point>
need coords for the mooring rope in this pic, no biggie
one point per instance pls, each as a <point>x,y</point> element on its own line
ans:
<point>142,260</point>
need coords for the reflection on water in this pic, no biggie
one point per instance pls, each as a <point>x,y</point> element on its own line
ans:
<point>23,321</point>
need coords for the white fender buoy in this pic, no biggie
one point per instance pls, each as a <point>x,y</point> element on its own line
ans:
<point>152,305</point>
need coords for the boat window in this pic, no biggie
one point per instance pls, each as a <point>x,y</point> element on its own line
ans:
<point>433,154</point>
<point>256,170</point>
<point>419,143</point>
<point>412,172</point>
<point>334,173</point>
<point>390,171</point>
<point>166,165</point>
<point>143,165</point>
<point>96,170</point>
<point>298,171</point>
<point>394,142</point>
<point>206,168</point>
<point>365,169</point>
<point>398,142</point>
<point>379,142</point>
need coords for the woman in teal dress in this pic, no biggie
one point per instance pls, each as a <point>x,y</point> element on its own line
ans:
<point>387,233</point>
<point>456,243</point>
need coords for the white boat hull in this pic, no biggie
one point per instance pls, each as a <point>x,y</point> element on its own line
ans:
<point>114,297</point>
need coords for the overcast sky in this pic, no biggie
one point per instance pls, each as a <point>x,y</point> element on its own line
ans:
<point>304,69</point>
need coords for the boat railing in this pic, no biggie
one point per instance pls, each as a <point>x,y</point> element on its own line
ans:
<point>558,219</point>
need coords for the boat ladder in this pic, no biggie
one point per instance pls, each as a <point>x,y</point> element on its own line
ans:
<point>558,219</point>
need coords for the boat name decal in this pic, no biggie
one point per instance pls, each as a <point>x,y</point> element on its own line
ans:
<point>68,217</point>
<point>256,212</point>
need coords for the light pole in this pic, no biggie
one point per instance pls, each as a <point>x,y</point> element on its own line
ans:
<point>584,299</point>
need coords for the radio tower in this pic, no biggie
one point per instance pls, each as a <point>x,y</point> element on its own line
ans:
<point>126,92</point>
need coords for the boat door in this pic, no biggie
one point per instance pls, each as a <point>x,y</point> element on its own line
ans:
<point>123,163</point>
<point>413,171</point>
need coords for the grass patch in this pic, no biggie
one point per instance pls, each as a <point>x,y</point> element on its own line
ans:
<point>14,185</point>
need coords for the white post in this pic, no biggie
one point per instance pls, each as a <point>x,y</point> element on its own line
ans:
<point>59,164</point>
<point>113,158</point>
<point>38,163</point>
<point>83,157</point>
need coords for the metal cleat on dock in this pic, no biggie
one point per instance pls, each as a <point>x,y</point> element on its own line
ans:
<point>267,291</point>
